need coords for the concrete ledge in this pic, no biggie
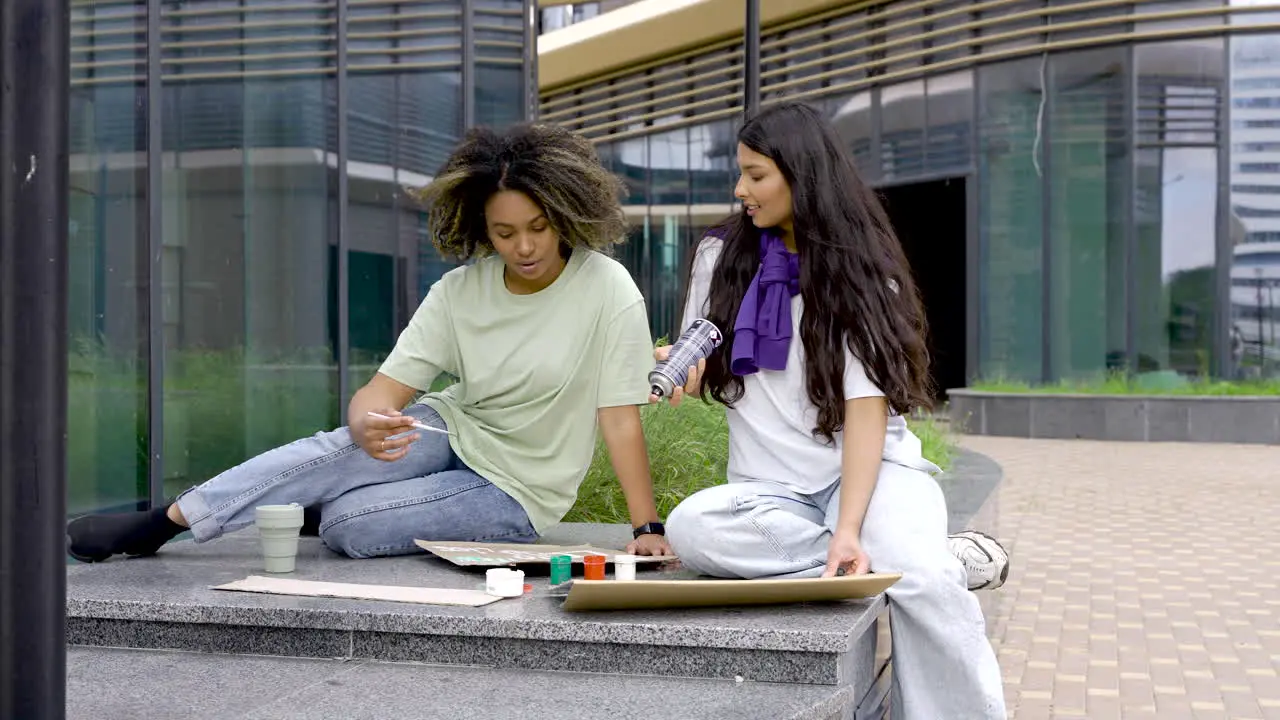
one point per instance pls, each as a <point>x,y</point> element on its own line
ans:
<point>164,603</point>
<point>1135,418</point>
<point>122,683</point>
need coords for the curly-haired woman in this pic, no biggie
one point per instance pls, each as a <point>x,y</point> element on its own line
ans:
<point>549,339</point>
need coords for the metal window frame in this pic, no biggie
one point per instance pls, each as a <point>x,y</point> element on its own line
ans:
<point>155,262</point>
<point>344,241</point>
<point>1220,364</point>
<point>532,98</point>
<point>975,245</point>
<point>751,60</point>
<point>468,75</point>
<point>1048,89</point>
<point>1130,209</point>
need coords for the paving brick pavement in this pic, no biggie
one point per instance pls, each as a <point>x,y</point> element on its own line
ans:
<point>1145,580</point>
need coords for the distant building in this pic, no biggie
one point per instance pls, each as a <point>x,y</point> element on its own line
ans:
<point>1071,183</point>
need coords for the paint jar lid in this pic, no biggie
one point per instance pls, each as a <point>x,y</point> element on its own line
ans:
<point>594,559</point>
<point>561,560</point>
<point>625,559</point>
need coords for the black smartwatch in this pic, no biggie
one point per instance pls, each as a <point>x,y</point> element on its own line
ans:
<point>649,528</point>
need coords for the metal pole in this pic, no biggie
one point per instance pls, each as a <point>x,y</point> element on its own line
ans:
<point>1224,255</point>
<point>155,264</point>
<point>531,97</point>
<point>468,65</point>
<point>751,60</point>
<point>34,87</point>
<point>344,242</point>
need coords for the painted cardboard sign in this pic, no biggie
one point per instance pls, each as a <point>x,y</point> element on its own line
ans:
<point>503,554</point>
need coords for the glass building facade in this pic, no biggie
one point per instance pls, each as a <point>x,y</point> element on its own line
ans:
<point>243,251</point>
<point>1106,182</point>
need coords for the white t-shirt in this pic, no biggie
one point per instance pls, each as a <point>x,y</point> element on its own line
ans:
<point>771,427</point>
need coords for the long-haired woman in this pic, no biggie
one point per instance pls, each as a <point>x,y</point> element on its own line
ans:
<point>824,356</point>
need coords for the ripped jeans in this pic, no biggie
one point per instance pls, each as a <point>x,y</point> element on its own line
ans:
<point>943,664</point>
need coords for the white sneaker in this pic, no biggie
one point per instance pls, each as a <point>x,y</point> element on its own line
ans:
<point>985,560</point>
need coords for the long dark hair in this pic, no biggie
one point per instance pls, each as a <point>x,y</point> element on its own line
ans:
<point>854,278</point>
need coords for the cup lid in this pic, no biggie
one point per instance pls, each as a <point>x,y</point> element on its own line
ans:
<point>278,511</point>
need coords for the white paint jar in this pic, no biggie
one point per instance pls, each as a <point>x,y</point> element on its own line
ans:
<point>624,567</point>
<point>504,582</point>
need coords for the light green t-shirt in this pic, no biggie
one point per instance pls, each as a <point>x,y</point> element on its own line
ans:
<point>533,370</point>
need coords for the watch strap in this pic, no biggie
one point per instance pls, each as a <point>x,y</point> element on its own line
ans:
<point>649,528</point>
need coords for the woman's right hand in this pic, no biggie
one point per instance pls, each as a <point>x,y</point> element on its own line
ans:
<point>374,435</point>
<point>692,385</point>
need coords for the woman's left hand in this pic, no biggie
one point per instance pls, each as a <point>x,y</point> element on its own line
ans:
<point>649,545</point>
<point>692,386</point>
<point>845,553</point>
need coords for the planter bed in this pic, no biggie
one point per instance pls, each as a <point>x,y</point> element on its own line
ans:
<point>1139,418</point>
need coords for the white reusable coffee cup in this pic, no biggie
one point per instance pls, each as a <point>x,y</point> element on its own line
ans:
<point>278,525</point>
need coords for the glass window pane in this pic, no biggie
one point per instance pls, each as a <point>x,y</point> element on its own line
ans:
<point>713,171</point>
<point>851,115</point>
<point>1088,144</point>
<point>404,125</point>
<point>250,314</point>
<point>631,163</point>
<point>1179,85</point>
<point>1255,205</point>
<point>902,122</point>
<point>669,215</point>
<point>713,163</point>
<point>1011,265</point>
<point>629,160</point>
<point>107,356</point>
<point>498,93</point>
<point>950,114</point>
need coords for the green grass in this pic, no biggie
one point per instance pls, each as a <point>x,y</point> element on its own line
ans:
<point>224,407</point>
<point>688,451</point>
<point>1150,384</point>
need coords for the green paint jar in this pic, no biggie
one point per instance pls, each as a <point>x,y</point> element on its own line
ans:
<point>561,569</point>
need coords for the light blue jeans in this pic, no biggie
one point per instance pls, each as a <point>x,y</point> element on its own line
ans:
<point>943,665</point>
<point>368,507</point>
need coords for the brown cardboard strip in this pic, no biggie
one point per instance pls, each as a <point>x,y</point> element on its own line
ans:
<point>650,594</point>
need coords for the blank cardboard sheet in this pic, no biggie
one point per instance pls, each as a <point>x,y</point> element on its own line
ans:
<point>353,591</point>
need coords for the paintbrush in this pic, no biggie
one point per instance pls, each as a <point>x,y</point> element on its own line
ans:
<point>420,426</point>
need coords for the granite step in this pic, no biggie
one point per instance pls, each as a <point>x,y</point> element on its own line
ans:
<point>165,602</point>
<point>150,684</point>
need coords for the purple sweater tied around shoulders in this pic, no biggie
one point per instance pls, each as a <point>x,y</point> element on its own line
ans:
<point>762,330</point>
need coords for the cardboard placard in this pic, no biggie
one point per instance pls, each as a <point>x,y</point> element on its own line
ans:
<point>353,591</point>
<point>504,554</point>
<point>587,595</point>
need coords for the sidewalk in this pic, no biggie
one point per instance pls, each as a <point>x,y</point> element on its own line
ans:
<point>1145,579</point>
